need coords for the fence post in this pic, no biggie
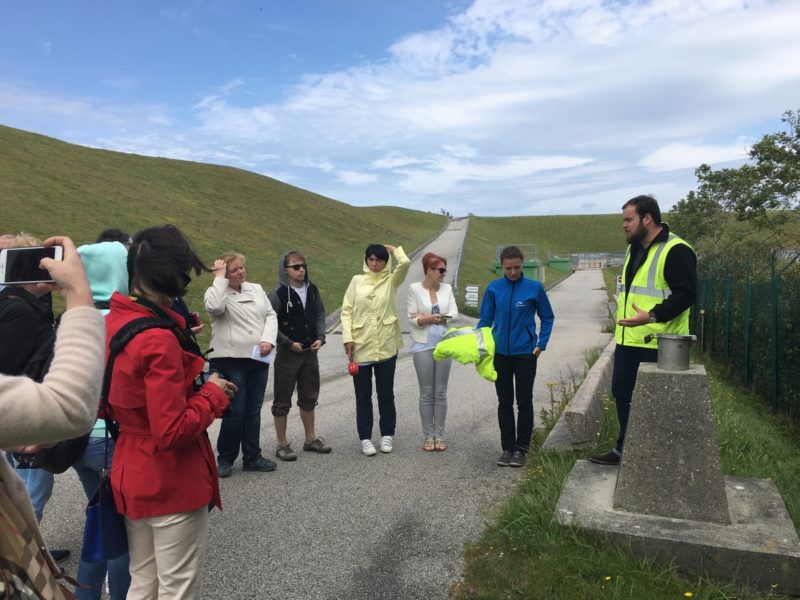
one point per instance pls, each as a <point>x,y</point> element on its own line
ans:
<point>712,318</point>
<point>748,303</point>
<point>727,288</point>
<point>773,328</point>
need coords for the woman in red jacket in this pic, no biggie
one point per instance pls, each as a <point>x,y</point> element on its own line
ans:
<point>164,475</point>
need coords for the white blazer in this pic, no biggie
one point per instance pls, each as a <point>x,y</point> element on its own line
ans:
<point>419,301</point>
<point>239,321</point>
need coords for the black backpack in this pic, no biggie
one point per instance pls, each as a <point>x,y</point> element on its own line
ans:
<point>60,457</point>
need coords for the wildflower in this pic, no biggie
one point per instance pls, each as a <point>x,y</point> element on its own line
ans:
<point>687,594</point>
<point>607,578</point>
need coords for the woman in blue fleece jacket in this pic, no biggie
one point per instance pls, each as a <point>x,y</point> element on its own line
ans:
<point>509,305</point>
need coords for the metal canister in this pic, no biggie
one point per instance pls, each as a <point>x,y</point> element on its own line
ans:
<point>674,350</point>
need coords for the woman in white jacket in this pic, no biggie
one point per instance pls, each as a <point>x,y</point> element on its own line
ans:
<point>430,305</point>
<point>244,328</point>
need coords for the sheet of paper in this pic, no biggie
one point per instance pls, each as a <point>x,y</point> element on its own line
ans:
<point>256,355</point>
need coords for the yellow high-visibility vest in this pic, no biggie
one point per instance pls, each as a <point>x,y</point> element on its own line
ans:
<point>648,288</point>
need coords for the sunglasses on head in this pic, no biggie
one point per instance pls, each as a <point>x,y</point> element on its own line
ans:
<point>296,267</point>
<point>441,270</point>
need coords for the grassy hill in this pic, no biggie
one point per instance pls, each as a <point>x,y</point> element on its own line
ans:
<point>558,235</point>
<point>48,187</point>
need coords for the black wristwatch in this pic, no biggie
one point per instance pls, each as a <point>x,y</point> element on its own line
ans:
<point>652,317</point>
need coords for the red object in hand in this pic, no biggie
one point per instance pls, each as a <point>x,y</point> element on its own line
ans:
<point>352,368</point>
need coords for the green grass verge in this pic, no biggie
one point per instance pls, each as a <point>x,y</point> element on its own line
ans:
<point>525,554</point>
<point>610,280</point>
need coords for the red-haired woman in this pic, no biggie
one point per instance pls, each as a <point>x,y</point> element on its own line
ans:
<point>430,305</point>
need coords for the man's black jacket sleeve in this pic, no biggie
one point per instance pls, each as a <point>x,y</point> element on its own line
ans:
<point>680,271</point>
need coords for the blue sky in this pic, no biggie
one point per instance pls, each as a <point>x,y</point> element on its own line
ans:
<point>496,107</point>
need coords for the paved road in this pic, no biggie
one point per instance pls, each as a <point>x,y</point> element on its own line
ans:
<point>344,526</point>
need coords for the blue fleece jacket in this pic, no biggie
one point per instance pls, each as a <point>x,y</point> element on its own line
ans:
<point>508,307</point>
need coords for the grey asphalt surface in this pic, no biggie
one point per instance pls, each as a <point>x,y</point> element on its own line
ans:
<point>346,526</point>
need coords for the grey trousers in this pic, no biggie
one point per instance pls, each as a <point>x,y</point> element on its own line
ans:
<point>432,376</point>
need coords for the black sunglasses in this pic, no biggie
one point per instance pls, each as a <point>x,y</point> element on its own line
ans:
<point>296,267</point>
<point>441,270</point>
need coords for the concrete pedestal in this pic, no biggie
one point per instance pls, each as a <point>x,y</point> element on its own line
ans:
<point>759,546</point>
<point>670,466</point>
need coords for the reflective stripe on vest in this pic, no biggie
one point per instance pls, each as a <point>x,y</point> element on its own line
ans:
<point>651,289</point>
<point>646,296</point>
<point>481,345</point>
<point>469,331</point>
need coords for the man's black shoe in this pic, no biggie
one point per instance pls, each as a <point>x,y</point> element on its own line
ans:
<point>610,458</point>
<point>261,464</point>
<point>224,470</point>
<point>60,555</point>
<point>517,459</point>
<point>505,459</point>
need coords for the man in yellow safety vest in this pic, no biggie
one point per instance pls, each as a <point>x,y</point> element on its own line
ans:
<point>659,287</point>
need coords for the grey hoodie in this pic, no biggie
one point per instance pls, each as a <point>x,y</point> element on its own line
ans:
<point>285,301</point>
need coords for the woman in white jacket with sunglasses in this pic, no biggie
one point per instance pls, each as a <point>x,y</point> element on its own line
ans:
<point>431,305</point>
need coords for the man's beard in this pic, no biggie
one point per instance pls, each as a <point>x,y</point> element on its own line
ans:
<point>638,236</point>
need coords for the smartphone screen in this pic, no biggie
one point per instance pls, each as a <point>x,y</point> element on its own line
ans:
<point>22,264</point>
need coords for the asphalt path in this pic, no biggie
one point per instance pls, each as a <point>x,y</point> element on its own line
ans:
<point>345,526</point>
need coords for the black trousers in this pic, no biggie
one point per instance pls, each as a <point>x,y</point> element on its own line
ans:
<point>384,383</point>
<point>515,375</point>
<point>626,366</point>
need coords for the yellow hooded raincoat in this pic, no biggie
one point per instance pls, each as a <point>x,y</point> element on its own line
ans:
<point>369,310</point>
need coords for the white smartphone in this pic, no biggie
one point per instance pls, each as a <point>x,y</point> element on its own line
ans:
<point>21,265</point>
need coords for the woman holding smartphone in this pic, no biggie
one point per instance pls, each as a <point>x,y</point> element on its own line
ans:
<point>431,305</point>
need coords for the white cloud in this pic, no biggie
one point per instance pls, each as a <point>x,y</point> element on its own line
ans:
<point>393,160</point>
<point>444,172</point>
<point>323,165</point>
<point>686,155</point>
<point>355,178</point>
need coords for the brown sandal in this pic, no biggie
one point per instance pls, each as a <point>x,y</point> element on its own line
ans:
<point>429,445</point>
<point>439,445</point>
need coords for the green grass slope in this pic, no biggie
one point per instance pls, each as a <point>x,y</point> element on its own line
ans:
<point>559,235</point>
<point>48,187</point>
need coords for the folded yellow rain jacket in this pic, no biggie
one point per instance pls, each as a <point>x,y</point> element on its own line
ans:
<point>469,345</point>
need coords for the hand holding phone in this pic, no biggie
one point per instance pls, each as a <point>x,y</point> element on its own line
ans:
<point>19,266</point>
<point>68,274</point>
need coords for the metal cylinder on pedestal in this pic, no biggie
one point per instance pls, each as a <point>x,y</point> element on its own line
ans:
<point>674,350</point>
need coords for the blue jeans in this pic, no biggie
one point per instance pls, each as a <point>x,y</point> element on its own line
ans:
<point>241,425</point>
<point>623,379</point>
<point>384,382</point>
<point>39,484</point>
<point>92,574</point>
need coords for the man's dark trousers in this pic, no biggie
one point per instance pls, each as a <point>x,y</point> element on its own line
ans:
<point>626,366</point>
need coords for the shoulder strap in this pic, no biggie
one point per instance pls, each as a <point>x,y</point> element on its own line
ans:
<point>125,334</point>
<point>160,312</point>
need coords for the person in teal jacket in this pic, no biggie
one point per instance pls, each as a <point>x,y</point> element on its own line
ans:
<point>509,307</point>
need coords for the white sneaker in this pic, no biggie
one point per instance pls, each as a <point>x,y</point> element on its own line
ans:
<point>367,448</point>
<point>386,444</point>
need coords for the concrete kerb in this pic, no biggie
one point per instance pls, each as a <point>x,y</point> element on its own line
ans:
<point>579,425</point>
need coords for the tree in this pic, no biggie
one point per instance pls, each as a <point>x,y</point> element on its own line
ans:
<point>764,192</point>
